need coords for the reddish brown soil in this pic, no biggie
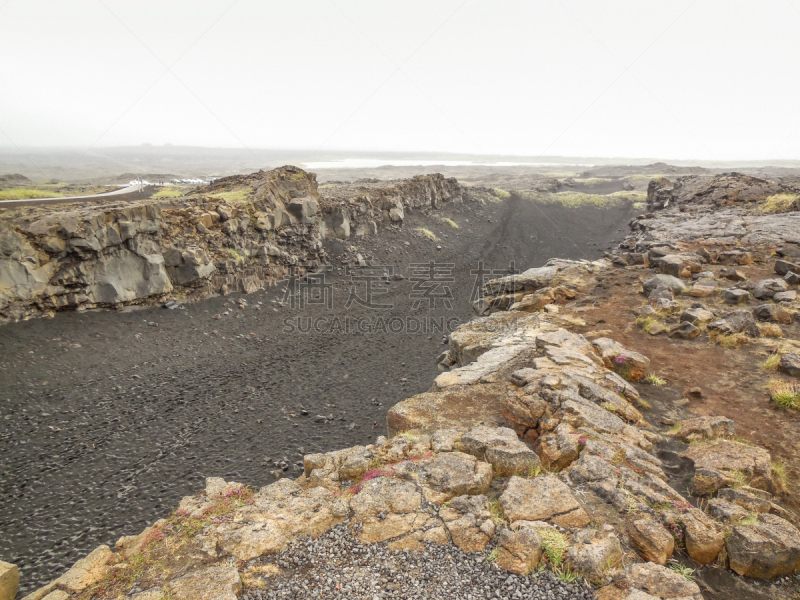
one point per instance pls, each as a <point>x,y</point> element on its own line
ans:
<point>732,381</point>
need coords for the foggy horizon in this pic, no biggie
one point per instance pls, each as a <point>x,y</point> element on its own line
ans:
<point>680,81</point>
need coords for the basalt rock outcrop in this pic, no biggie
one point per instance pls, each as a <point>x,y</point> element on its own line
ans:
<point>727,189</point>
<point>238,233</point>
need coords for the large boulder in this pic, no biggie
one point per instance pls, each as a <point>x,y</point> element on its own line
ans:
<point>723,463</point>
<point>768,548</point>
<point>790,364</point>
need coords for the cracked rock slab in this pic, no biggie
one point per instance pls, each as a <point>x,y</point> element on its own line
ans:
<point>543,498</point>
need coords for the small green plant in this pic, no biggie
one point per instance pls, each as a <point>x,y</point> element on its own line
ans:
<point>566,575</point>
<point>169,191</point>
<point>740,479</point>
<point>554,545</point>
<point>572,199</point>
<point>779,203</point>
<point>654,379</point>
<point>27,193</point>
<point>780,477</point>
<point>785,395</point>
<point>235,254</point>
<point>646,323</point>
<point>497,514</point>
<point>728,340</point>
<point>450,222</point>
<point>427,233</point>
<point>501,193</point>
<point>772,363</point>
<point>492,556</point>
<point>682,569</point>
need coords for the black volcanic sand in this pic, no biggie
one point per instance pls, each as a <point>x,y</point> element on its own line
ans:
<point>108,418</point>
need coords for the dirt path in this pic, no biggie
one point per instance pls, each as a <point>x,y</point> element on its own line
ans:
<point>108,418</point>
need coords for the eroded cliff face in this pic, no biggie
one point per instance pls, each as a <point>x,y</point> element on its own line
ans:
<point>239,233</point>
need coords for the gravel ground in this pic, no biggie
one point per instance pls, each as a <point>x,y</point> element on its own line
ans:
<point>337,565</point>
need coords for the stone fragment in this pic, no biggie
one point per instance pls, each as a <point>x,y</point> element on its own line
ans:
<point>86,571</point>
<point>543,498</point>
<point>559,448</point>
<point>9,581</point>
<point>697,315</point>
<point>766,549</point>
<point>738,321</point>
<point>684,330</point>
<point>767,288</point>
<point>457,473</point>
<point>593,553</point>
<point>469,522</point>
<point>703,538</point>
<point>445,440</point>
<point>212,583</point>
<point>502,448</point>
<point>732,273</point>
<point>787,296</point>
<point>661,582</point>
<point>651,540</point>
<point>735,295</point>
<point>790,364</point>
<point>632,364</point>
<point>520,550</point>
<point>782,267</point>
<point>665,281</point>
<point>705,428</point>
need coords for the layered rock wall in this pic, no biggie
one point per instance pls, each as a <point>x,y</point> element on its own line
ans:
<point>208,242</point>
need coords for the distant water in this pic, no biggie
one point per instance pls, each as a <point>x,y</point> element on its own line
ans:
<point>373,163</point>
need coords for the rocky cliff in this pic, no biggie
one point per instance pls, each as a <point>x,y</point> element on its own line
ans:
<point>239,233</point>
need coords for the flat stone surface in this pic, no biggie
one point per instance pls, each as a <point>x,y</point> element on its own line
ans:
<point>213,583</point>
<point>543,498</point>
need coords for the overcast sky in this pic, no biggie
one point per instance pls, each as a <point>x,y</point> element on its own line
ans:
<point>683,79</point>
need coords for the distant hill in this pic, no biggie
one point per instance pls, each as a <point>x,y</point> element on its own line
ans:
<point>13,178</point>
